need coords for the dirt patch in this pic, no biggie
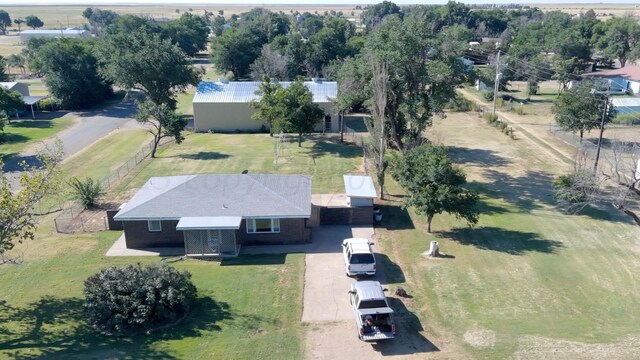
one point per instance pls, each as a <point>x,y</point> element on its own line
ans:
<point>536,347</point>
<point>339,340</point>
<point>480,338</point>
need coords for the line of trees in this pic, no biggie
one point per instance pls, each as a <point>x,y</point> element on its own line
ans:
<point>5,22</point>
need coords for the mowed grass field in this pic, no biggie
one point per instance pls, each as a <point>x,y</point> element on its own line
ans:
<point>528,281</point>
<point>247,308</point>
<point>321,156</point>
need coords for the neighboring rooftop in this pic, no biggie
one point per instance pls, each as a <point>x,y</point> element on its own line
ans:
<point>628,72</point>
<point>213,195</point>
<point>359,186</point>
<point>8,85</point>
<point>244,91</point>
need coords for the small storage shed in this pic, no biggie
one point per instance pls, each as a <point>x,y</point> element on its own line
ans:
<point>360,191</point>
<point>626,105</point>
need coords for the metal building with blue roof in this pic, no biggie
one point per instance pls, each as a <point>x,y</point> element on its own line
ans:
<point>224,106</point>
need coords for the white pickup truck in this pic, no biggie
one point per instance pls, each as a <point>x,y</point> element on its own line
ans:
<point>359,260</point>
<point>374,317</point>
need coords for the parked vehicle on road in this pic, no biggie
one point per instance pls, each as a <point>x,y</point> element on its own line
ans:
<point>358,257</point>
<point>374,317</point>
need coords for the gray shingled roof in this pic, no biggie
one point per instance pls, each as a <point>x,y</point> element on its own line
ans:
<point>244,91</point>
<point>245,195</point>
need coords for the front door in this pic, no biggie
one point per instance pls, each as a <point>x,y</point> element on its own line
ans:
<point>327,123</point>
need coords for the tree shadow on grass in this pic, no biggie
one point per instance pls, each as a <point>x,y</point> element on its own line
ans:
<point>323,145</point>
<point>31,124</point>
<point>55,328</point>
<point>394,217</point>
<point>529,191</point>
<point>409,340</point>
<point>393,272</point>
<point>502,240</point>
<point>10,138</point>
<point>480,157</point>
<point>202,155</point>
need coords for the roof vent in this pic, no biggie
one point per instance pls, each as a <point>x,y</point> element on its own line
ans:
<point>223,80</point>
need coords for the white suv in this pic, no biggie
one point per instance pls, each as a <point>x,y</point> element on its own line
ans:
<point>358,257</point>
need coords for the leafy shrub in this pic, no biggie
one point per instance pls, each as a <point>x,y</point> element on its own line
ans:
<point>488,95</point>
<point>461,104</point>
<point>87,192</point>
<point>491,118</point>
<point>575,188</point>
<point>627,119</point>
<point>126,300</point>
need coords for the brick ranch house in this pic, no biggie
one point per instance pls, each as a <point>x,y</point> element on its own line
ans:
<point>214,214</point>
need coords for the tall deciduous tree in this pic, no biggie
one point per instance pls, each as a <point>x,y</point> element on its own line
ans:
<point>190,32</point>
<point>267,108</point>
<point>19,22</point>
<point>621,39</point>
<point>374,14</point>
<point>17,219</point>
<point>17,61</point>
<point>300,113</point>
<point>5,21</point>
<point>434,185</point>
<point>33,21</point>
<point>3,69</point>
<point>162,122</point>
<point>270,64</point>
<point>71,71</point>
<point>99,18</point>
<point>235,50</point>
<point>578,110</point>
<point>144,61</point>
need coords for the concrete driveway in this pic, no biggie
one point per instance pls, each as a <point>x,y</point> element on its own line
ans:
<point>325,283</point>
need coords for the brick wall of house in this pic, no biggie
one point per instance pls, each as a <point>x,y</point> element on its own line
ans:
<point>292,231</point>
<point>112,224</point>
<point>138,236</point>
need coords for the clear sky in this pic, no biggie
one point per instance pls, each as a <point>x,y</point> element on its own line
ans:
<point>301,2</point>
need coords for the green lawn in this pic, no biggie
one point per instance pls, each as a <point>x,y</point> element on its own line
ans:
<point>246,308</point>
<point>526,278</point>
<point>21,133</point>
<point>321,156</point>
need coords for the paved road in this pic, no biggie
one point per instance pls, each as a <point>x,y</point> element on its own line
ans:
<point>90,127</point>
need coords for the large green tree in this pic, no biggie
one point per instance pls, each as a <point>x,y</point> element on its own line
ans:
<point>289,109</point>
<point>190,32</point>
<point>5,21</point>
<point>3,69</point>
<point>33,21</point>
<point>578,110</point>
<point>162,121</point>
<point>300,113</point>
<point>434,185</point>
<point>71,73</point>
<point>18,22</point>
<point>99,18</point>
<point>620,39</point>
<point>17,200</point>
<point>235,50</point>
<point>144,61</point>
<point>374,14</point>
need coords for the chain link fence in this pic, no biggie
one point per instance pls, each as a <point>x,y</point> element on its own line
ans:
<point>74,218</point>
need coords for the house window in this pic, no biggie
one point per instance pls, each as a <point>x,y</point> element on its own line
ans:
<point>154,225</point>
<point>262,226</point>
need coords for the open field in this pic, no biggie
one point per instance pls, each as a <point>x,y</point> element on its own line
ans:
<point>20,134</point>
<point>528,281</point>
<point>603,11</point>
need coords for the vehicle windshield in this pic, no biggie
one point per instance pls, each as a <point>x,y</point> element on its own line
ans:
<point>362,259</point>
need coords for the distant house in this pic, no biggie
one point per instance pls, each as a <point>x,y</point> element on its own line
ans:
<point>214,214</point>
<point>626,105</point>
<point>224,106</point>
<point>27,35</point>
<point>621,80</point>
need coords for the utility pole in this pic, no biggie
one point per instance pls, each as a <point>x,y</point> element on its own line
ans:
<point>604,116</point>
<point>496,86</point>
